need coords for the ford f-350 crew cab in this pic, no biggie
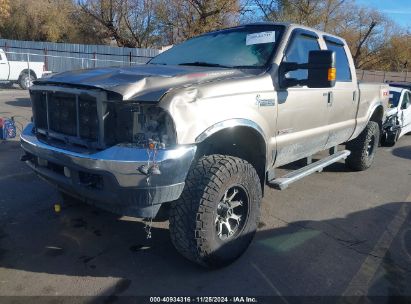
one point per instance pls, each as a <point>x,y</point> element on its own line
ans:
<point>21,72</point>
<point>197,132</point>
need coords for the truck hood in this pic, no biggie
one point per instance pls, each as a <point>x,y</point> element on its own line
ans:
<point>147,82</point>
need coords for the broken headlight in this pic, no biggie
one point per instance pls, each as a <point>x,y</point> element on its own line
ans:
<point>390,122</point>
<point>139,124</point>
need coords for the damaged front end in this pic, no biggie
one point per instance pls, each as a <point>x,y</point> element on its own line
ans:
<point>391,130</point>
<point>120,155</point>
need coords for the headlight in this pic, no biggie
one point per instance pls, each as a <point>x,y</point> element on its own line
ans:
<point>140,125</point>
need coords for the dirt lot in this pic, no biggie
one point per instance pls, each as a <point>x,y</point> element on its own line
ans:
<point>333,233</point>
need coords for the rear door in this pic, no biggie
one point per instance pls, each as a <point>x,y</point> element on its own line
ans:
<point>343,98</point>
<point>302,112</point>
<point>4,67</point>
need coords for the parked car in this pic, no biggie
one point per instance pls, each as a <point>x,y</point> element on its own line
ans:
<point>398,120</point>
<point>196,133</point>
<point>20,72</point>
<point>400,84</point>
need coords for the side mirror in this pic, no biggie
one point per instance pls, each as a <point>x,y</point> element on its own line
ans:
<point>321,69</point>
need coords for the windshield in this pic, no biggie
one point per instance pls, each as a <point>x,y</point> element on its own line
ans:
<point>243,47</point>
<point>394,99</point>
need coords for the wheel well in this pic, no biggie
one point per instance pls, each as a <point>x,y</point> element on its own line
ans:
<point>242,142</point>
<point>377,116</point>
<point>26,71</point>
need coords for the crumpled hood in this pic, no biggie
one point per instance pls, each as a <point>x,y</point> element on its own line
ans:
<point>147,82</point>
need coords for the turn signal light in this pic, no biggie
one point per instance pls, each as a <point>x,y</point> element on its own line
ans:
<point>332,74</point>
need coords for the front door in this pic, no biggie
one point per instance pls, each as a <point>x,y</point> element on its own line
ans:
<point>405,113</point>
<point>4,67</point>
<point>302,112</point>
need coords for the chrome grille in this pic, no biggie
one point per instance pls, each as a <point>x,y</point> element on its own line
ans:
<point>69,117</point>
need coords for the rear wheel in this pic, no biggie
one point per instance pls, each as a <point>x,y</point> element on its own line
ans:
<point>26,81</point>
<point>363,148</point>
<point>215,219</point>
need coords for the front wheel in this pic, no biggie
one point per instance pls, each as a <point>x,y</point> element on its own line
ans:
<point>215,219</point>
<point>363,148</point>
<point>26,81</point>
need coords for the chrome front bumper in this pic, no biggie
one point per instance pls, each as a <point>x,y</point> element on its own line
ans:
<point>110,178</point>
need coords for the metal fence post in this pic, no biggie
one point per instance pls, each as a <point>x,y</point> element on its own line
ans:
<point>28,66</point>
<point>46,61</point>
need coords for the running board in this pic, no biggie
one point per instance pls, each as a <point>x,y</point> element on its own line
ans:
<point>283,182</point>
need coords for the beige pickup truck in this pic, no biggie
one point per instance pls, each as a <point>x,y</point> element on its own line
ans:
<point>196,134</point>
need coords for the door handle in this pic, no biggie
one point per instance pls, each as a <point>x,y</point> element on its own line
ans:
<point>330,99</point>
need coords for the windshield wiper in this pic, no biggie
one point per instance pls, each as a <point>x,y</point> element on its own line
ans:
<point>206,64</point>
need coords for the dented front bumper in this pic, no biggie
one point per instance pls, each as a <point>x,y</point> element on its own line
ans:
<point>110,178</point>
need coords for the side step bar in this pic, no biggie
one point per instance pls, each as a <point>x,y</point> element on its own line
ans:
<point>283,182</point>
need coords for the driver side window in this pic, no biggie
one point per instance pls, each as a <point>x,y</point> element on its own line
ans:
<point>298,51</point>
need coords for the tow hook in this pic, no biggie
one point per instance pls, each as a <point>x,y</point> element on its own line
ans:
<point>154,168</point>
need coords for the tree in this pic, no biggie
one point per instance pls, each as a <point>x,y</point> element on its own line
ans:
<point>397,55</point>
<point>306,12</point>
<point>45,20</point>
<point>4,9</point>
<point>367,33</point>
<point>183,19</point>
<point>131,23</point>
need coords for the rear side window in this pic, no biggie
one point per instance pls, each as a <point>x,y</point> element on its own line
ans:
<point>342,65</point>
<point>298,51</point>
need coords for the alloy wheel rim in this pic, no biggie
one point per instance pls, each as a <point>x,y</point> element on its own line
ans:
<point>232,212</point>
<point>28,82</point>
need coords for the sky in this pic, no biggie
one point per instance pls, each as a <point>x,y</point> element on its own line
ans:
<point>397,10</point>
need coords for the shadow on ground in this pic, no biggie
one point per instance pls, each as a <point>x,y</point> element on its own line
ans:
<point>403,152</point>
<point>20,102</point>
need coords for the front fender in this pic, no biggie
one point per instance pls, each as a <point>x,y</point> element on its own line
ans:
<point>236,122</point>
